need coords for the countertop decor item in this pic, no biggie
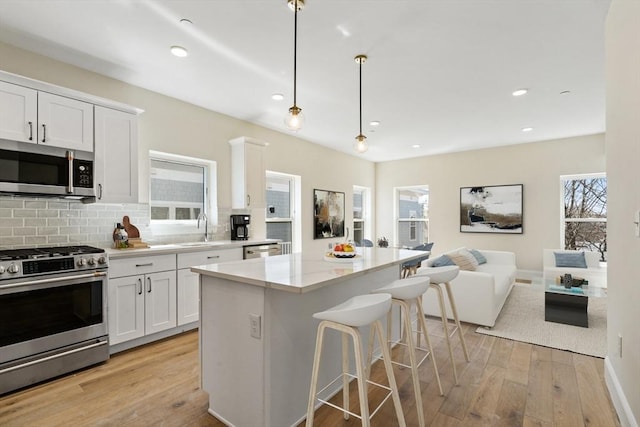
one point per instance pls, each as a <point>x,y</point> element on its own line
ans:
<point>131,229</point>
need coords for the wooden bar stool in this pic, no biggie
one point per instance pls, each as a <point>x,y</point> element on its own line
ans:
<point>443,276</point>
<point>406,292</point>
<point>346,318</point>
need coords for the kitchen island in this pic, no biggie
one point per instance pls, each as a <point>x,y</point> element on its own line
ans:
<point>257,333</point>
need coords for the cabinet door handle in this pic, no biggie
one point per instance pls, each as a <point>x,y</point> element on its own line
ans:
<point>30,131</point>
<point>213,257</point>
<point>149,264</point>
<point>140,286</point>
<point>99,191</point>
<point>148,284</point>
<point>44,133</point>
<point>248,199</point>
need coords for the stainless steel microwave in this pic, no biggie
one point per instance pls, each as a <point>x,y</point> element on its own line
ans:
<point>36,170</point>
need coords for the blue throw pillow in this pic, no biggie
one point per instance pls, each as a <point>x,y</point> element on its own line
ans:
<point>570,259</point>
<point>478,256</point>
<point>442,261</point>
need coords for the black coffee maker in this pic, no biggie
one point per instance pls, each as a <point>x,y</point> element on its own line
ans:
<point>240,227</point>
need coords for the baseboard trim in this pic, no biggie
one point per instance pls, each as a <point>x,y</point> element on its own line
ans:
<point>617,396</point>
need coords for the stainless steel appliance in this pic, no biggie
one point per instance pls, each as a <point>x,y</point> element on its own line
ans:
<point>240,227</point>
<point>53,313</point>
<point>261,251</point>
<point>34,169</point>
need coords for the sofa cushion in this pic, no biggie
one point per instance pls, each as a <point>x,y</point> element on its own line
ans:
<point>478,256</point>
<point>464,261</point>
<point>570,259</point>
<point>442,261</point>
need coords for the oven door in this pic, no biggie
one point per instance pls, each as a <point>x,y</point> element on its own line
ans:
<point>40,315</point>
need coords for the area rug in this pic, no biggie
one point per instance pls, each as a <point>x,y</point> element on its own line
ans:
<point>522,319</point>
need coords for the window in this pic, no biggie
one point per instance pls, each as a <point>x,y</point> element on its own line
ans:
<point>412,212</point>
<point>584,225</point>
<point>361,209</point>
<point>282,206</point>
<point>180,191</point>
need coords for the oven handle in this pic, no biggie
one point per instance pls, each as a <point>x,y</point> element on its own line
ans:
<point>54,280</point>
<point>54,356</point>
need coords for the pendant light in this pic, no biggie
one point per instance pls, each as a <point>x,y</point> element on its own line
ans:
<point>361,141</point>
<point>294,118</point>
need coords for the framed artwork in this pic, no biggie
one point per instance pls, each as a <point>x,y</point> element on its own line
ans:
<point>491,209</point>
<point>328,214</point>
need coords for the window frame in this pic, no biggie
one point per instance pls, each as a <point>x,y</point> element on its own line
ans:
<point>412,221</point>
<point>366,219</point>
<point>190,226</point>
<point>563,219</point>
<point>294,207</point>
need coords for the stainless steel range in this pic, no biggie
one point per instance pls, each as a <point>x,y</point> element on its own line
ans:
<point>53,313</point>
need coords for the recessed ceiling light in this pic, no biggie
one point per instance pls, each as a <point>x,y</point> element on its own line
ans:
<point>415,146</point>
<point>527,129</point>
<point>374,123</point>
<point>520,92</point>
<point>277,97</point>
<point>179,51</point>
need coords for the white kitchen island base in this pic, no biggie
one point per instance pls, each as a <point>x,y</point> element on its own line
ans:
<point>258,340</point>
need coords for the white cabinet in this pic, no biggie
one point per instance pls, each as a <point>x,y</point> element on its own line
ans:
<point>32,116</point>
<point>18,113</point>
<point>65,122</point>
<point>248,173</point>
<point>189,282</point>
<point>116,148</point>
<point>142,296</point>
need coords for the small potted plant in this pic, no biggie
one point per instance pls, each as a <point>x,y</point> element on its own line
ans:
<point>383,242</point>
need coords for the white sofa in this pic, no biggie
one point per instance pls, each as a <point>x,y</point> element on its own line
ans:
<point>595,273</point>
<point>479,294</point>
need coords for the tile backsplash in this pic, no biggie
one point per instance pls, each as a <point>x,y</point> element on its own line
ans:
<point>35,222</point>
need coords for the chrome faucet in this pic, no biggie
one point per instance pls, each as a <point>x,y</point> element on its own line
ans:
<point>204,217</point>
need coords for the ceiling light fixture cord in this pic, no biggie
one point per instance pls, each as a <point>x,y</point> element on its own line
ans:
<point>361,141</point>
<point>295,48</point>
<point>294,118</point>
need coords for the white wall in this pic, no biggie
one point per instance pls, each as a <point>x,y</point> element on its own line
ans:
<point>537,166</point>
<point>174,126</point>
<point>623,155</point>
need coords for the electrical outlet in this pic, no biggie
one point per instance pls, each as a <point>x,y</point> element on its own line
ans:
<point>254,325</point>
<point>620,345</point>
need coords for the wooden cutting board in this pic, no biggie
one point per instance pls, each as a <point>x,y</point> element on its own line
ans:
<point>131,229</point>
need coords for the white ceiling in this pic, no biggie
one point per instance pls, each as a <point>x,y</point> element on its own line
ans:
<point>440,73</point>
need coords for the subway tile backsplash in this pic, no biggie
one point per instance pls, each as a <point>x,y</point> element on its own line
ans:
<point>32,222</point>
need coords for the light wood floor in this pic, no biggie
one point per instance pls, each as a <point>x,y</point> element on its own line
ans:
<point>507,383</point>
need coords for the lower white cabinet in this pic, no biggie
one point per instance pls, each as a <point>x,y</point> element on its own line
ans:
<point>189,282</point>
<point>145,303</point>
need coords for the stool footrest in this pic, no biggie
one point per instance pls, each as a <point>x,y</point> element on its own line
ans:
<point>340,408</point>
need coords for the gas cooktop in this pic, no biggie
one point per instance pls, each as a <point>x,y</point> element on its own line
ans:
<point>49,252</point>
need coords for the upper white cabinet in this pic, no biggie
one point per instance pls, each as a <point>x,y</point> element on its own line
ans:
<point>65,122</point>
<point>248,173</point>
<point>32,116</point>
<point>18,113</point>
<point>116,149</point>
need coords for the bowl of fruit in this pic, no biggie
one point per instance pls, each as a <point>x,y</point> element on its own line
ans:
<point>344,250</point>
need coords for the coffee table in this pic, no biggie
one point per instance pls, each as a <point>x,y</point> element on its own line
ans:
<point>569,306</point>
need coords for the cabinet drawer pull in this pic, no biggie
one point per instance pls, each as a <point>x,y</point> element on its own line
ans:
<point>149,264</point>
<point>213,257</point>
<point>30,131</point>
<point>149,284</point>
<point>100,191</point>
<point>140,286</point>
<point>44,133</point>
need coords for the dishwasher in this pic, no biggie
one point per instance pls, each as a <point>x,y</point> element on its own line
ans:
<point>261,251</point>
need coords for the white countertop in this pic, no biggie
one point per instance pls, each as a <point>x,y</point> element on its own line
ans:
<point>185,247</point>
<point>304,272</point>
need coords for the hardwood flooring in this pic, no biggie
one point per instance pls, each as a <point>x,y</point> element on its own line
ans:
<point>507,383</point>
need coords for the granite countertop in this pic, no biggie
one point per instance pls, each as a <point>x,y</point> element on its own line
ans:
<point>185,247</point>
<point>304,272</point>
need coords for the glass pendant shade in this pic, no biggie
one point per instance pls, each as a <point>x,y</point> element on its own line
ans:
<point>294,118</point>
<point>360,145</point>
